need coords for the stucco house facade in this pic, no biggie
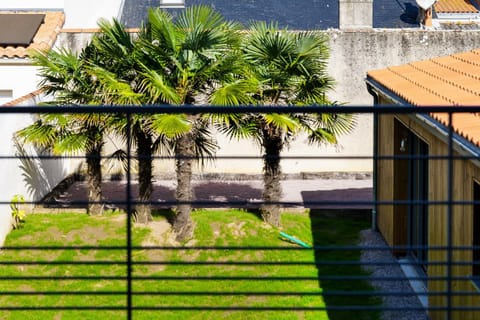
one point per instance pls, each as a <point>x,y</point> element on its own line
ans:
<point>412,175</point>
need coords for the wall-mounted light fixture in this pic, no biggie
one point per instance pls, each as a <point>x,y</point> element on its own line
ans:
<point>403,145</point>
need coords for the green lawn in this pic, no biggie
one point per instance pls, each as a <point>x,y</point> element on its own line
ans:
<point>213,229</point>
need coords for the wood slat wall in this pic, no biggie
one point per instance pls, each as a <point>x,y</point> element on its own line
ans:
<point>392,225</point>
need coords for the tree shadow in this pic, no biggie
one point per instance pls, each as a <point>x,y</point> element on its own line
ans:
<point>39,174</point>
<point>351,198</point>
<point>207,195</point>
<point>168,214</point>
<point>226,195</point>
<point>114,195</point>
<point>336,228</point>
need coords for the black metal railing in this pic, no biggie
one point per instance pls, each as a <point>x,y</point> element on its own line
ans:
<point>141,281</point>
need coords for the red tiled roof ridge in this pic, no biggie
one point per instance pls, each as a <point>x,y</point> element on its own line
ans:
<point>24,98</point>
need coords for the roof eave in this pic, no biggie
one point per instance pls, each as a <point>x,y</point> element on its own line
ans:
<point>379,88</point>
<point>461,145</point>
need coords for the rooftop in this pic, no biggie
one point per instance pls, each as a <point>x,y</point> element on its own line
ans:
<point>452,80</point>
<point>310,14</point>
<point>43,39</point>
<point>455,6</point>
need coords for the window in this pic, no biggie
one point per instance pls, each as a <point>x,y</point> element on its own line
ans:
<point>418,212</point>
<point>5,96</point>
<point>19,29</point>
<point>6,93</point>
<point>411,186</point>
<point>172,3</point>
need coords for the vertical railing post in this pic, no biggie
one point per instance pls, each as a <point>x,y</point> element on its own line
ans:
<point>374,172</point>
<point>449,217</point>
<point>129,221</point>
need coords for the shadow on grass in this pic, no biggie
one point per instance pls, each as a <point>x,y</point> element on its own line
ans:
<point>339,228</point>
<point>168,214</point>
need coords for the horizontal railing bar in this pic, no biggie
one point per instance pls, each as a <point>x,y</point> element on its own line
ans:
<point>239,278</point>
<point>246,204</point>
<point>257,157</point>
<point>190,109</point>
<point>231,308</point>
<point>242,293</point>
<point>241,203</point>
<point>243,263</point>
<point>239,248</point>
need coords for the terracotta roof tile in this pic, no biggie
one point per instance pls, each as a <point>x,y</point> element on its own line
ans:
<point>465,124</point>
<point>44,38</point>
<point>454,6</point>
<point>445,81</point>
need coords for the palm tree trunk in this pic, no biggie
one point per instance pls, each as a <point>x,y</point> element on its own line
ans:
<point>94,181</point>
<point>145,187</point>
<point>184,153</point>
<point>272,189</point>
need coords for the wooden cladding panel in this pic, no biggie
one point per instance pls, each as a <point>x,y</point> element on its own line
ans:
<point>465,172</point>
<point>385,176</point>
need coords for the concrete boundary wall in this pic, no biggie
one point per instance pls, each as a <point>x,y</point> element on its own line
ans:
<point>352,54</point>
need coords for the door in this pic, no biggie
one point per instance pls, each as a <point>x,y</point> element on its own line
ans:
<point>418,207</point>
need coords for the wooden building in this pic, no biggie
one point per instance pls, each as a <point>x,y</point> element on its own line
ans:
<point>412,176</point>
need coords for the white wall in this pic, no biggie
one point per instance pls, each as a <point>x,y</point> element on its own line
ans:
<point>78,13</point>
<point>20,78</point>
<point>322,158</point>
<point>31,4</point>
<point>22,172</point>
<point>85,13</point>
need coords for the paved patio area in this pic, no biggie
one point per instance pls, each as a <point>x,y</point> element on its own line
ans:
<point>315,193</point>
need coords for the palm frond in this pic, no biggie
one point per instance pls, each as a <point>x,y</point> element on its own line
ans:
<point>327,127</point>
<point>71,143</point>
<point>205,145</point>
<point>237,92</point>
<point>284,122</point>
<point>113,90</point>
<point>158,89</point>
<point>39,133</point>
<point>114,41</point>
<point>171,125</point>
<point>160,31</point>
<point>238,127</point>
<point>118,156</point>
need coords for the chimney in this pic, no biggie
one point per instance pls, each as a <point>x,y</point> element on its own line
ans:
<point>356,14</point>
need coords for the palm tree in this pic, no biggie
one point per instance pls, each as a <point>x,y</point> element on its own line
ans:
<point>175,62</point>
<point>185,59</point>
<point>290,70</point>
<point>117,74</point>
<point>65,76</point>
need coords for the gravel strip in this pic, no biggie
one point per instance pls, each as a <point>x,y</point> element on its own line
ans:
<point>371,238</point>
